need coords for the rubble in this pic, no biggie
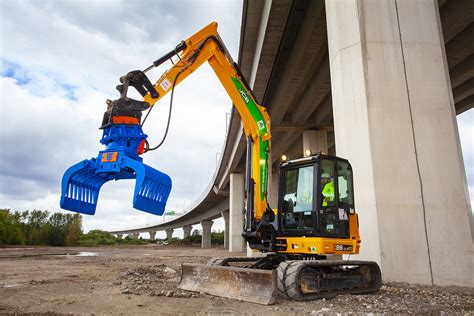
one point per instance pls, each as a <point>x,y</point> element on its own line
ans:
<point>150,280</point>
<point>162,280</point>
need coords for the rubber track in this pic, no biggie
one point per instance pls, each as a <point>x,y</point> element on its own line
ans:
<point>289,282</point>
<point>281,276</point>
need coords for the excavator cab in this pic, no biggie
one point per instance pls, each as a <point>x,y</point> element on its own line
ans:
<point>316,197</point>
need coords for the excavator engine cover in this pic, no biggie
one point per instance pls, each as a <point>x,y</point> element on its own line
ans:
<point>120,160</point>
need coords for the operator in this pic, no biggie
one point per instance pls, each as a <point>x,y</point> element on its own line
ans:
<point>328,188</point>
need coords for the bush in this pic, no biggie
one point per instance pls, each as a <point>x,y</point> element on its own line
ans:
<point>217,238</point>
<point>96,238</point>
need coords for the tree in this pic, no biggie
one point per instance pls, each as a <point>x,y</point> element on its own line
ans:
<point>57,225</point>
<point>36,230</point>
<point>10,228</point>
<point>74,231</point>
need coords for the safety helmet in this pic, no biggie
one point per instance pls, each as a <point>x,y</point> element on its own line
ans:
<point>325,175</point>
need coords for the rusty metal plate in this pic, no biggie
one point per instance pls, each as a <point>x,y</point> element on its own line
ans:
<point>251,285</point>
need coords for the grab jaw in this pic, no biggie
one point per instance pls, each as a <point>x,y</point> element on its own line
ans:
<point>81,183</point>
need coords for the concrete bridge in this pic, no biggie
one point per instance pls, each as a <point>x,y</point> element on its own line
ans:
<point>379,83</point>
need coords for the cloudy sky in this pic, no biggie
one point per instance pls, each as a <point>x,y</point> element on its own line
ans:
<point>60,61</point>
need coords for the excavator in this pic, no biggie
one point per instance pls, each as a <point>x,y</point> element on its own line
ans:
<point>315,216</point>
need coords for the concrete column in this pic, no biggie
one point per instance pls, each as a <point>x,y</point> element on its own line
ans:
<point>206,234</point>
<point>394,120</point>
<point>225,216</point>
<point>152,235</point>
<point>236,218</point>
<point>315,142</point>
<point>135,235</point>
<point>119,236</point>
<point>169,234</point>
<point>187,231</point>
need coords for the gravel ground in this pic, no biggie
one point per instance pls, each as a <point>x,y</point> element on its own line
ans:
<point>143,279</point>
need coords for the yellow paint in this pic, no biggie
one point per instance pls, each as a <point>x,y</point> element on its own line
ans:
<point>324,245</point>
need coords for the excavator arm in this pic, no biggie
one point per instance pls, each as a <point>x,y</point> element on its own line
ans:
<point>125,139</point>
<point>206,46</point>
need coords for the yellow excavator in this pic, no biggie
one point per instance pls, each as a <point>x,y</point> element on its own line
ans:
<point>315,216</point>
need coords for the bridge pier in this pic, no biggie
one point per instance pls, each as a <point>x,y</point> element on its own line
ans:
<point>206,234</point>
<point>152,235</point>
<point>315,142</point>
<point>169,234</point>
<point>187,231</point>
<point>395,121</point>
<point>119,236</point>
<point>236,218</point>
<point>135,235</point>
<point>225,216</point>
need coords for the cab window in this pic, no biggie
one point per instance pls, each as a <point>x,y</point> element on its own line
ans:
<point>298,198</point>
<point>345,184</point>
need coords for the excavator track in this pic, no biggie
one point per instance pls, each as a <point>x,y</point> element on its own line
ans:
<point>259,280</point>
<point>302,280</point>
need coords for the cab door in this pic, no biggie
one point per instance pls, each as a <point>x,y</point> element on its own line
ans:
<point>297,203</point>
<point>333,188</point>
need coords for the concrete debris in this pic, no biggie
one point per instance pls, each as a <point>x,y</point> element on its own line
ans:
<point>169,271</point>
<point>177,293</point>
<point>151,280</point>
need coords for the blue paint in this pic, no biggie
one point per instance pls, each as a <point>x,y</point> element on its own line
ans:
<point>81,183</point>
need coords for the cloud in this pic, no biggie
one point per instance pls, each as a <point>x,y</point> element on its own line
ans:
<point>60,61</point>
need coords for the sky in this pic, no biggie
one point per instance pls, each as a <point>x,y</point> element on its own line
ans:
<point>60,61</point>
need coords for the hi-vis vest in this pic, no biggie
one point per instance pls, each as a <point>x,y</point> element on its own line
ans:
<point>328,192</point>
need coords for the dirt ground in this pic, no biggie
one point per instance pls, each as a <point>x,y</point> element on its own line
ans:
<point>143,279</point>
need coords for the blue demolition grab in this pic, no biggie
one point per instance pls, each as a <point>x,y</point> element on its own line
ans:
<point>81,183</point>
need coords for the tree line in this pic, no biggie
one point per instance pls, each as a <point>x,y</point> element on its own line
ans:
<point>39,228</point>
<point>42,228</point>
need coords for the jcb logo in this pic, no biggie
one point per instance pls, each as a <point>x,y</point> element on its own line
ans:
<point>260,125</point>
<point>244,95</point>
